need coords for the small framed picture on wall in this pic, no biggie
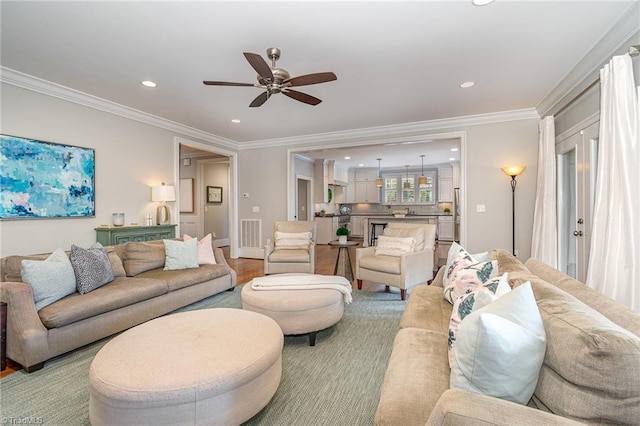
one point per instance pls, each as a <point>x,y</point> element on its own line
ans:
<point>214,194</point>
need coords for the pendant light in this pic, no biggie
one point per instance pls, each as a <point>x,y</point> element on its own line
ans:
<point>379,182</point>
<point>422,180</point>
<point>406,184</point>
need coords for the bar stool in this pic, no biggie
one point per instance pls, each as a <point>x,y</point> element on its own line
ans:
<point>374,236</point>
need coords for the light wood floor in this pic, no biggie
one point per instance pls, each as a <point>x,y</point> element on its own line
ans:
<point>246,269</point>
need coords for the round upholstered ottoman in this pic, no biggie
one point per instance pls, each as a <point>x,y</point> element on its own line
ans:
<point>212,366</point>
<point>296,311</point>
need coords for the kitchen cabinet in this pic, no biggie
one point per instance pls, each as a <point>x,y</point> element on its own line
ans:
<point>362,188</point>
<point>445,185</point>
<point>357,226</point>
<point>320,182</point>
<point>326,229</point>
<point>445,228</point>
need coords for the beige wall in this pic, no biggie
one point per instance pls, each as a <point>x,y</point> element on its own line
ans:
<point>130,158</point>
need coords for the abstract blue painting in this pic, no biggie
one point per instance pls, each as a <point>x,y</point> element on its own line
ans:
<point>41,179</point>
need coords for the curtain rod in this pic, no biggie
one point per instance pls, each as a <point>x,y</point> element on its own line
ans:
<point>633,51</point>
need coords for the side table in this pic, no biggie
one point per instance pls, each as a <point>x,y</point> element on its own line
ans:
<point>343,262</point>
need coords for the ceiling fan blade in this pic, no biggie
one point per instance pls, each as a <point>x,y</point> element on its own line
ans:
<point>304,80</point>
<point>259,64</point>
<point>262,98</point>
<point>302,97</point>
<point>226,83</point>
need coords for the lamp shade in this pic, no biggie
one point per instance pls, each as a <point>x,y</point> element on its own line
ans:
<point>513,170</point>
<point>163,193</point>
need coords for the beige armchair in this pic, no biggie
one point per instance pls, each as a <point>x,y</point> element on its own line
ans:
<point>403,271</point>
<point>292,249</point>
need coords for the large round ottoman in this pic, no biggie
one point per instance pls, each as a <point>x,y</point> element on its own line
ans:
<point>296,311</point>
<point>212,366</point>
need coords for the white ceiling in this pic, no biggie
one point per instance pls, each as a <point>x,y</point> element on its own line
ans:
<point>396,62</point>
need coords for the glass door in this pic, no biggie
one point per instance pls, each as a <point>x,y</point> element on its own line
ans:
<point>576,163</point>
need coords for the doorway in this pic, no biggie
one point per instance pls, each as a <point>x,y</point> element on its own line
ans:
<point>577,158</point>
<point>303,198</point>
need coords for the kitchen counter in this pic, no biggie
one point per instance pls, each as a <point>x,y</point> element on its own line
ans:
<point>390,216</point>
<point>369,219</point>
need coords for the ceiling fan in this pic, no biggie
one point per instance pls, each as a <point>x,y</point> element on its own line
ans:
<point>277,80</point>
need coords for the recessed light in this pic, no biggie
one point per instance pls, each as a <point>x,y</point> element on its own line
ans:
<point>452,159</point>
<point>347,158</point>
<point>235,120</point>
<point>360,165</point>
<point>454,149</point>
<point>467,84</point>
<point>149,83</point>
<point>481,2</point>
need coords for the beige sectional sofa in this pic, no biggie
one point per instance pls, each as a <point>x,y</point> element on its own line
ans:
<point>142,290</point>
<point>590,373</point>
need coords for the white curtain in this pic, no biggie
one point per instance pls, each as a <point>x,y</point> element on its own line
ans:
<point>544,242</point>
<point>614,260</point>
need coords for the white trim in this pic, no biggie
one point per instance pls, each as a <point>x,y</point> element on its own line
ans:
<point>587,70</point>
<point>38,85</point>
<point>581,125</point>
<point>373,135</point>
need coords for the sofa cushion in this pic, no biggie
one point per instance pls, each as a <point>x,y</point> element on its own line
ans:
<point>289,256</point>
<point>417,374</point>
<point>91,267</point>
<point>116,263</point>
<point>500,348</point>
<point>387,264</point>
<point>140,257</point>
<point>121,292</point>
<point>612,309</point>
<point>180,254</point>
<point>50,279</point>
<point>186,277</point>
<point>591,370</point>
<point>427,309</point>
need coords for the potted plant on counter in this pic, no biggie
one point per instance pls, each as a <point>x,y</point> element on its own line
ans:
<point>343,234</point>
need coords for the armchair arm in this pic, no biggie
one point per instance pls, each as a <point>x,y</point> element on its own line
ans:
<point>417,267</point>
<point>457,407</point>
<point>313,256</point>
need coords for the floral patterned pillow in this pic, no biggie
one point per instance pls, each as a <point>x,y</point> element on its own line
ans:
<point>474,295</point>
<point>467,265</point>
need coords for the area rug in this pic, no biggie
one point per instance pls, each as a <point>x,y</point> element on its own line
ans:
<point>337,382</point>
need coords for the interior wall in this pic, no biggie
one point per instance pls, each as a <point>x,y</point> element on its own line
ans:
<point>130,158</point>
<point>216,215</point>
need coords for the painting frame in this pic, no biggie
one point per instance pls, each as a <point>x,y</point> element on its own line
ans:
<point>214,194</point>
<point>45,180</point>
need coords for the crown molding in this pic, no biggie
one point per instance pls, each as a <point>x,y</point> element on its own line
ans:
<point>38,85</point>
<point>396,133</point>
<point>587,70</point>
<point>393,133</point>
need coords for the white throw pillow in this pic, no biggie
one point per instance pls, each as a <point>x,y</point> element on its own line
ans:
<point>475,297</point>
<point>50,279</point>
<point>292,240</point>
<point>416,233</point>
<point>394,246</point>
<point>205,250</point>
<point>500,348</point>
<point>180,254</point>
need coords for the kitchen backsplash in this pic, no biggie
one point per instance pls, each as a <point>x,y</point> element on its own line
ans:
<point>366,208</point>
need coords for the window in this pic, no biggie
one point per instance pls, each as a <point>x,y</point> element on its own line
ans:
<point>395,193</point>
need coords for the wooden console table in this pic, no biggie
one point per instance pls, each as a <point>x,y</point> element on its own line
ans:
<point>112,235</point>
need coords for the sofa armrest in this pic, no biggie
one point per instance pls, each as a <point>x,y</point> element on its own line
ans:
<point>457,407</point>
<point>417,267</point>
<point>26,335</point>
<point>220,260</point>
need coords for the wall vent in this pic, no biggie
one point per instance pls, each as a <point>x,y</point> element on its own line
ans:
<point>251,234</point>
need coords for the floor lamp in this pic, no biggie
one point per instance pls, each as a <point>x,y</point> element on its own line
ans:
<point>513,171</point>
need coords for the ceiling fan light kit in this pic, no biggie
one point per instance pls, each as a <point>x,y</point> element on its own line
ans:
<point>276,80</point>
